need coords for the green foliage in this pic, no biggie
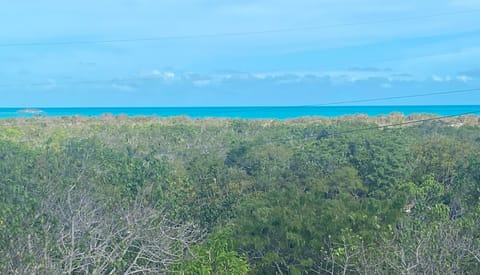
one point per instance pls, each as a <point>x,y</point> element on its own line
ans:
<point>269,196</point>
<point>215,256</point>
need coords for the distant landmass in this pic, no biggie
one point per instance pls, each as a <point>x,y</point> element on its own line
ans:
<point>241,112</point>
<point>30,111</point>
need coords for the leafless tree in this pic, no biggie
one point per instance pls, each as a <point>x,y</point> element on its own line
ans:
<point>444,248</point>
<point>85,234</point>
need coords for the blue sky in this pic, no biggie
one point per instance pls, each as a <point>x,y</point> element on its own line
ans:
<point>358,49</point>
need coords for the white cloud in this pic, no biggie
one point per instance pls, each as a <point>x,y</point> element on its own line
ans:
<point>261,76</point>
<point>281,77</point>
<point>167,76</point>
<point>437,78</point>
<point>123,87</point>
<point>383,78</point>
<point>464,78</point>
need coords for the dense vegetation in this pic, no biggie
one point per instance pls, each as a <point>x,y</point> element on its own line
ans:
<point>117,195</point>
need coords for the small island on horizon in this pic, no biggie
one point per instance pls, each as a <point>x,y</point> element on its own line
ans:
<point>259,112</point>
<point>35,112</point>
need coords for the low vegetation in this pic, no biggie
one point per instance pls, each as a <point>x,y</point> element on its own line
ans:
<point>119,195</point>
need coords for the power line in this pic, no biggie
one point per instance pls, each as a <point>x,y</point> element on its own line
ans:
<point>233,34</point>
<point>332,134</point>
<point>402,123</point>
<point>366,100</point>
<point>395,97</point>
<point>377,127</point>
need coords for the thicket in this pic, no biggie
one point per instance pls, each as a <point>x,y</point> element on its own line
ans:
<point>118,195</point>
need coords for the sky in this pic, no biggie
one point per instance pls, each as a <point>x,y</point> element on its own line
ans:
<point>165,53</point>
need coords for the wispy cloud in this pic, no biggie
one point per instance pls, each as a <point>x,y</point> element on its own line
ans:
<point>123,87</point>
<point>164,75</point>
<point>356,48</point>
<point>464,78</point>
<point>385,78</point>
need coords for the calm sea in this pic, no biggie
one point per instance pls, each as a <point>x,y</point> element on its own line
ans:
<point>242,112</point>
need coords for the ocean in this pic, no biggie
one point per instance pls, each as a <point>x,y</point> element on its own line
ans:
<point>241,112</point>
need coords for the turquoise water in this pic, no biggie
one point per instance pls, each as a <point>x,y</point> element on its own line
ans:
<point>245,112</point>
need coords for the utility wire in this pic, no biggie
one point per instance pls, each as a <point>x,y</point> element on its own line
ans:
<point>233,34</point>
<point>367,100</point>
<point>241,110</point>
<point>327,135</point>
<point>333,103</point>
<point>449,92</point>
<point>377,127</point>
<point>333,134</point>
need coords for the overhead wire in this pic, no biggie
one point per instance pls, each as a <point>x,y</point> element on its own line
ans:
<point>435,93</point>
<point>402,123</point>
<point>333,103</point>
<point>232,34</point>
<point>321,136</point>
<point>378,127</point>
<point>119,81</point>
